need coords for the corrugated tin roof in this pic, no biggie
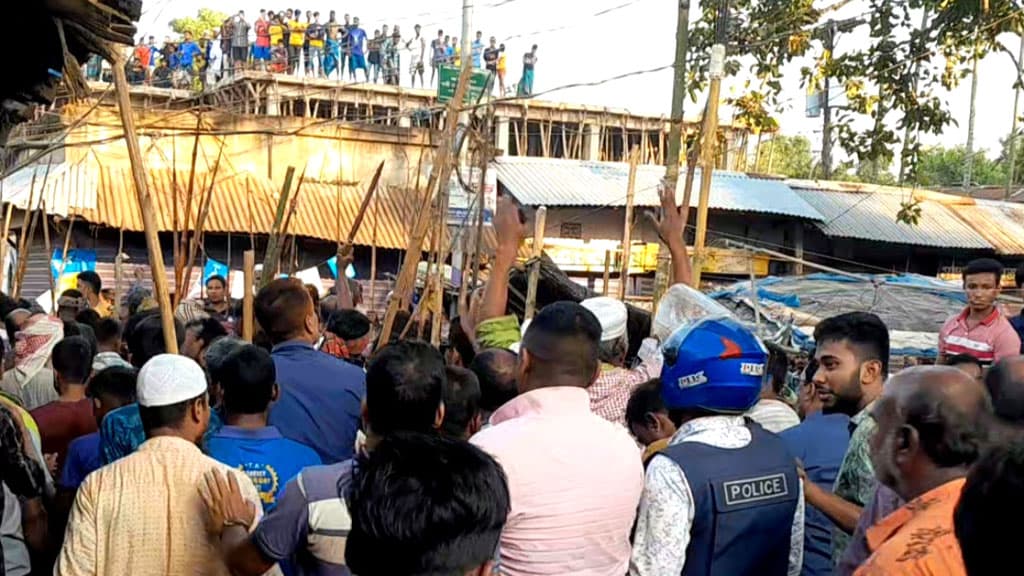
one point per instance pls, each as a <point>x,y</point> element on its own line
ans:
<point>559,182</point>
<point>872,216</point>
<point>246,203</point>
<point>1001,223</point>
<point>62,187</point>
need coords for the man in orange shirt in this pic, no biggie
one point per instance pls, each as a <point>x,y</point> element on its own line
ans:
<point>932,424</point>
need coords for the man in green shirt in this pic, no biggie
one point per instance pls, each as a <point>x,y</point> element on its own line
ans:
<point>853,356</point>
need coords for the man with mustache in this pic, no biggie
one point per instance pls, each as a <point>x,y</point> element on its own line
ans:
<point>853,362</point>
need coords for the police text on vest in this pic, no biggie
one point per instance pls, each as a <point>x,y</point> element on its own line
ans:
<point>755,489</point>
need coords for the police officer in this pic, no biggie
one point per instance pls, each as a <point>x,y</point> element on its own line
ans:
<point>724,498</point>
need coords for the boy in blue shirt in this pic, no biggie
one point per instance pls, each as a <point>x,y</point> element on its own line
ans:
<point>246,441</point>
<point>109,390</point>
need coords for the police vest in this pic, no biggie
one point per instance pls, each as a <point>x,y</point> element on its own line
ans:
<point>744,502</point>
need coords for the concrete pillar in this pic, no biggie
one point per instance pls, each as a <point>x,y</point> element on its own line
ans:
<point>501,133</point>
<point>591,142</point>
<point>273,100</point>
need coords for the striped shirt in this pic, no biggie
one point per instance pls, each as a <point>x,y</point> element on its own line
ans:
<point>310,524</point>
<point>989,341</point>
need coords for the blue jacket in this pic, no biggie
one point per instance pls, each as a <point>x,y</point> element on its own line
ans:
<point>744,503</point>
<point>819,442</point>
<point>320,402</point>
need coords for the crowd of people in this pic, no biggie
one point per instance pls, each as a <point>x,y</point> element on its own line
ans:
<point>538,449</point>
<point>304,45</point>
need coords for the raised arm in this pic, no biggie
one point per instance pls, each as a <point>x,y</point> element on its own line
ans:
<point>670,227</point>
<point>508,228</point>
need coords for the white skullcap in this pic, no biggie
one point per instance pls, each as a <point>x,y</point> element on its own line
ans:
<point>169,379</point>
<point>611,314</point>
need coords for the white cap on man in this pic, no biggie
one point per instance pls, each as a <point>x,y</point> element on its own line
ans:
<point>612,315</point>
<point>169,379</point>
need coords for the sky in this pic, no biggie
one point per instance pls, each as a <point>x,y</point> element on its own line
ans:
<point>588,41</point>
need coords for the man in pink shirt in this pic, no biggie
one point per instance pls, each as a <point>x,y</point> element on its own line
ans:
<point>980,330</point>
<point>574,478</point>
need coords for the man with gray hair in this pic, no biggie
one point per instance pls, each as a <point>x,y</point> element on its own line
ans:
<point>610,393</point>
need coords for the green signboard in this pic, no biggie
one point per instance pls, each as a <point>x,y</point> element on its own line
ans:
<point>478,82</point>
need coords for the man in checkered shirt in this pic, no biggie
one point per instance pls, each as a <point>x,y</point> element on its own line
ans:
<point>610,393</point>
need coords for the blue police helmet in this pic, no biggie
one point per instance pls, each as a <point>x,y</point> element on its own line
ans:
<point>715,364</point>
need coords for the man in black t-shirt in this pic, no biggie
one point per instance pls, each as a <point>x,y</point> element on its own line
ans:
<point>491,54</point>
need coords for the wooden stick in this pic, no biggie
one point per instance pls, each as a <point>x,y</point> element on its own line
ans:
<point>627,230</point>
<point>181,250</point>
<point>539,223</point>
<point>200,228</point>
<point>292,207</point>
<point>439,176</point>
<point>156,257</point>
<point>367,197</point>
<point>3,245</point>
<point>49,254</point>
<point>486,152</point>
<point>273,248</point>
<point>249,278</point>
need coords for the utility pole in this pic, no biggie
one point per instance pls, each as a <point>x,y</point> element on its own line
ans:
<point>675,141</point>
<point>969,158</point>
<point>1011,174</point>
<point>707,168</point>
<point>829,34</point>
<point>826,107</point>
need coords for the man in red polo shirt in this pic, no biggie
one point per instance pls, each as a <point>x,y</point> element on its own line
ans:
<point>980,330</point>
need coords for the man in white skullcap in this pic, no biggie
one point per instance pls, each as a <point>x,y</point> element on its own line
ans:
<point>610,393</point>
<point>144,513</point>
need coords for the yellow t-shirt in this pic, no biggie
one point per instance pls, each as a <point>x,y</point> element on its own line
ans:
<point>298,33</point>
<point>276,34</point>
<point>502,63</point>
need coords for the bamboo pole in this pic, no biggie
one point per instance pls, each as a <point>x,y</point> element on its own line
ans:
<point>249,278</point>
<point>627,230</point>
<point>539,223</point>
<point>439,176</point>
<point>367,197</point>
<point>481,205</point>
<point>181,239</point>
<point>273,242</point>
<point>49,251</point>
<point>197,233</point>
<point>156,257</point>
